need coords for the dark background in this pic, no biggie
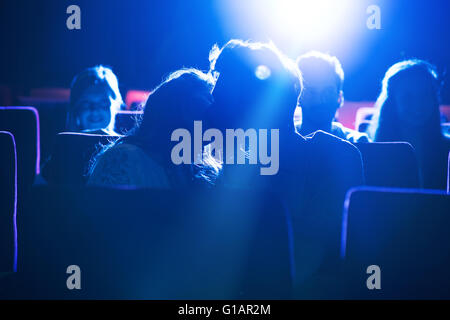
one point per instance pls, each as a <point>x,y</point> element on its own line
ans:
<point>144,40</point>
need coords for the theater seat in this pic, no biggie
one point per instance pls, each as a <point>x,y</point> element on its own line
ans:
<point>52,108</point>
<point>448,174</point>
<point>405,233</point>
<point>71,157</point>
<point>390,164</point>
<point>126,120</point>
<point>8,202</point>
<point>154,244</point>
<point>23,123</point>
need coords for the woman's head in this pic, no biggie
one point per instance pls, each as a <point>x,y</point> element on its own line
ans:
<point>94,100</point>
<point>409,99</point>
<point>256,85</point>
<point>177,102</point>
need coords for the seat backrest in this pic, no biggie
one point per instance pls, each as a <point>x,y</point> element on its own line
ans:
<point>448,174</point>
<point>52,118</point>
<point>390,164</point>
<point>405,233</point>
<point>23,123</point>
<point>126,120</point>
<point>72,155</point>
<point>155,244</point>
<point>8,202</point>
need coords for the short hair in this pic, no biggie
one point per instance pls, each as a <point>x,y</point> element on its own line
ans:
<point>235,68</point>
<point>322,63</point>
<point>287,63</point>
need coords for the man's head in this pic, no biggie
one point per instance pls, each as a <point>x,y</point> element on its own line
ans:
<point>256,85</point>
<point>323,80</point>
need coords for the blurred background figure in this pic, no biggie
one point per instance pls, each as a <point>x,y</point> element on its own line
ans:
<point>323,95</point>
<point>408,110</point>
<point>94,101</point>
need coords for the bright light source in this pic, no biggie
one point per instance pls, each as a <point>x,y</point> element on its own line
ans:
<point>296,24</point>
<point>262,72</point>
<point>316,19</point>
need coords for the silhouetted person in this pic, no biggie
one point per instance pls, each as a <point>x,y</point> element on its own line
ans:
<point>257,87</point>
<point>94,101</point>
<point>323,79</point>
<point>408,110</point>
<point>143,159</point>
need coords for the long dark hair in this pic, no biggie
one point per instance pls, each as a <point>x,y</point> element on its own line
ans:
<point>171,105</point>
<point>386,121</point>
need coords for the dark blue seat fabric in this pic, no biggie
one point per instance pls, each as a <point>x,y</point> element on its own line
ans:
<point>126,121</point>
<point>403,231</point>
<point>390,164</point>
<point>71,157</point>
<point>52,118</point>
<point>8,202</point>
<point>153,244</point>
<point>448,174</point>
<point>23,123</point>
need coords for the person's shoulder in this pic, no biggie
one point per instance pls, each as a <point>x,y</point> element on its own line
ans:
<point>133,156</point>
<point>324,142</point>
<point>112,167</point>
<point>320,137</point>
<point>125,148</point>
<point>447,140</point>
<point>349,134</point>
<point>120,153</point>
<point>126,163</point>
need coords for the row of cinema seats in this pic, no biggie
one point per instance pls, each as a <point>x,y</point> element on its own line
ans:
<point>158,248</point>
<point>205,246</point>
<point>385,164</point>
<point>200,246</point>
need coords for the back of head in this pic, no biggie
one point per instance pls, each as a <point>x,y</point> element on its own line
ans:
<point>94,89</point>
<point>409,99</point>
<point>256,85</point>
<point>176,103</point>
<point>323,79</point>
<point>318,65</point>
